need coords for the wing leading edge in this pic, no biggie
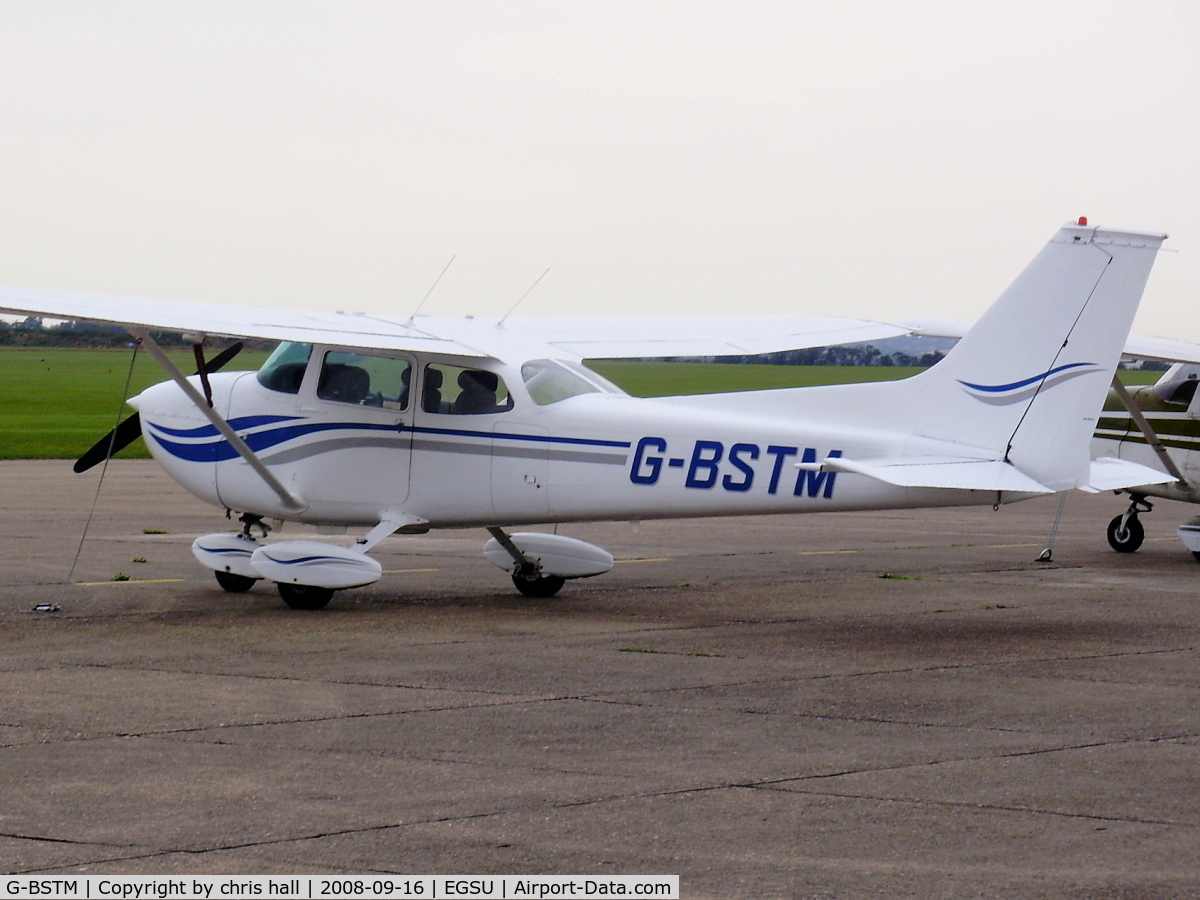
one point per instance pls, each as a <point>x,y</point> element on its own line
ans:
<point>587,337</point>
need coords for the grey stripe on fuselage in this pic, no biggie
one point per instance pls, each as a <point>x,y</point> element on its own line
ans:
<point>295,454</point>
<point>604,459</point>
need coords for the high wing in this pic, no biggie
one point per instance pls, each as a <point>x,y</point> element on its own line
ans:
<point>591,337</point>
<point>1162,349</point>
<point>1155,348</point>
<point>227,320</point>
<point>658,336</point>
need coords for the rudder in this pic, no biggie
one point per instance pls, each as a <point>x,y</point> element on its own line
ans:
<point>1029,379</point>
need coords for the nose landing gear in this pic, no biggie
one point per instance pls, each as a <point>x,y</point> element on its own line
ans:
<point>1125,532</point>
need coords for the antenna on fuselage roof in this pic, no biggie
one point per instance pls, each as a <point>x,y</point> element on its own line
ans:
<point>430,291</point>
<point>500,324</point>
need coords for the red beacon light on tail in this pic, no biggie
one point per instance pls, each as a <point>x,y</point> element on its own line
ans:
<point>1083,220</point>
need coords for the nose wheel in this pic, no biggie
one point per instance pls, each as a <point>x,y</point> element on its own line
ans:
<point>233,582</point>
<point>1125,532</point>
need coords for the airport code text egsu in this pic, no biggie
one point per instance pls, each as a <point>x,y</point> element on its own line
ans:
<point>710,466</point>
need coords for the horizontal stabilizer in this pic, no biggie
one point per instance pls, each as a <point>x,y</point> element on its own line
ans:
<point>960,473</point>
<point>1109,474</point>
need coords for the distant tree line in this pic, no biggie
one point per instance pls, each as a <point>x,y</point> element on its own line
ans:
<point>33,332</point>
<point>844,355</point>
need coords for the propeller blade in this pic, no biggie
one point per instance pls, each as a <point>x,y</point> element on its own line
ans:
<point>221,360</point>
<point>118,439</point>
<point>130,429</point>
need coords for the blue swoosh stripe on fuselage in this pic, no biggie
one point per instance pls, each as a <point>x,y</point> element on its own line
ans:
<point>207,431</point>
<point>1017,385</point>
<point>220,451</point>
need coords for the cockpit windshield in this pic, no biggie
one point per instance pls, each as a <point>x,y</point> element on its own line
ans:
<point>284,369</point>
<point>552,381</point>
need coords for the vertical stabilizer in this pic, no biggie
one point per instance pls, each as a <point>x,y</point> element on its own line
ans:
<point>1029,379</point>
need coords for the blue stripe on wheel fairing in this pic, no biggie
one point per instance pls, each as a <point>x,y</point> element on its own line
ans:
<point>305,559</point>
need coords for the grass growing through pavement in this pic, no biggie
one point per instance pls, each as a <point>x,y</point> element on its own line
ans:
<point>56,403</point>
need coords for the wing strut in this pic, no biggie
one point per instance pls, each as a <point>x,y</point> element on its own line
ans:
<point>1151,435</point>
<point>290,501</point>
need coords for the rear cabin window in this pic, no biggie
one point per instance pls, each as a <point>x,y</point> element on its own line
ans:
<point>459,391</point>
<point>284,369</point>
<point>365,379</point>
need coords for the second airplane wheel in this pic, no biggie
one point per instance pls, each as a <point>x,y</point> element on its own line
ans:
<point>1126,540</point>
<point>304,596</point>
<point>546,586</point>
<point>234,583</point>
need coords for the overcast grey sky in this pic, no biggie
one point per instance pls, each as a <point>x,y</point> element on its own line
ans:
<point>878,159</point>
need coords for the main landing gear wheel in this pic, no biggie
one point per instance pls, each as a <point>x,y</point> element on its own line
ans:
<point>304,596</point>
<point>1126,538</point>
<point>234,583</point>
<point>542,586</point>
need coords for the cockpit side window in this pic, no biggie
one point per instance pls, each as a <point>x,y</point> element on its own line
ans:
<point>284,369</point>
<point>458,391</point>
<point>549,382</point>
<point>552,381</point>
<point>365,379</point>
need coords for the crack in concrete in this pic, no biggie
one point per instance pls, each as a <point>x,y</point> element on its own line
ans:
<point>962,804</point>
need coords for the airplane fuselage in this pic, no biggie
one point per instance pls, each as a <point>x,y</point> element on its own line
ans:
<point>597,455</point>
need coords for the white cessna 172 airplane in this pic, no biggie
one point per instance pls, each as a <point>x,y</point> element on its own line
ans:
<point>403,426</point>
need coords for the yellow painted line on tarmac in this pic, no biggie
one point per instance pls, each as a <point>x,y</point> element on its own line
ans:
<point>824,552</point>
<point>1010,546</point>
<point>132,581</point>
<point>623,562</point>
<point>403,571</point>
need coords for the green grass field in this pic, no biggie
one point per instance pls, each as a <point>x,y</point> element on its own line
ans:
<point>57,403</point>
